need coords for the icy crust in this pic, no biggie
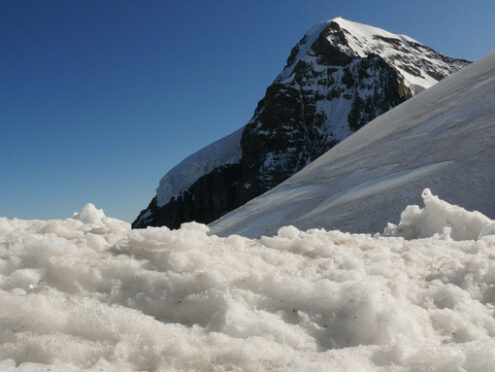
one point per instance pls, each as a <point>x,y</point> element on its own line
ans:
<point>224,151</point>
<point>89,293</point>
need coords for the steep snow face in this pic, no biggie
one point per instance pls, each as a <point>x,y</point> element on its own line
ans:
<point>89,293</point>
<point>442,139</point>
<point>340,76</point>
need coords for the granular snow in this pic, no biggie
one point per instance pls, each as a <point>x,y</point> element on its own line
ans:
<point>89,293</point>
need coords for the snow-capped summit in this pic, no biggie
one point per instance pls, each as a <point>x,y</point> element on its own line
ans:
<point>361,40</point>
<point>338,77</point>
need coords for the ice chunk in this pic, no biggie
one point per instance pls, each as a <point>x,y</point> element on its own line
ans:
<point>440,217</point>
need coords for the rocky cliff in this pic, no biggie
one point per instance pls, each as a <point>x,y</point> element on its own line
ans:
<point>340,76</point>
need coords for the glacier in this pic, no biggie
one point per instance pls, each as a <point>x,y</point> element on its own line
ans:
<point>88,293</point>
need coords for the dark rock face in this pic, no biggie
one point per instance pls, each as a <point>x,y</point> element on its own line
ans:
<point>328,54</point>
<point>209,198</point>
<point>316,102</point>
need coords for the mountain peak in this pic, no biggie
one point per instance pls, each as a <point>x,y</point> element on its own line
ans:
<point>419,66</point>
<point>339,76</point>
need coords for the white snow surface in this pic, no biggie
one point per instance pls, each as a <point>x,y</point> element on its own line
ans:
<point>442,139</point>
<point>226,150</point>
<point>89,293</point>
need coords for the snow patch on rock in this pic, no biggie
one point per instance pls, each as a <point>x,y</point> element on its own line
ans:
<point>224,151</point>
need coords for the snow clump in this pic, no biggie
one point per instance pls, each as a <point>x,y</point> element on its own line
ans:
<point>442,218</point>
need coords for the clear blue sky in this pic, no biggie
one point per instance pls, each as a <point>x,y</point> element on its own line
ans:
<point>98,99</point>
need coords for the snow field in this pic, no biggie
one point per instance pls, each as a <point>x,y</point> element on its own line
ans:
<point>90,293</point>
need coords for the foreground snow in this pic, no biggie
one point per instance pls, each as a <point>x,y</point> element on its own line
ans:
<point>90,293</point>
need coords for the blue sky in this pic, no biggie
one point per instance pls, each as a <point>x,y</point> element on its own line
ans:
<point>98,99</point>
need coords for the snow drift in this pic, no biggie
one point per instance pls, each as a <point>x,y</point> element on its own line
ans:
<point>442,138</point>
<point>90,293</point>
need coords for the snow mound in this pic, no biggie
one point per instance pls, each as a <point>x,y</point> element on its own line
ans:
<point>442,218</point>
<point>89,293</point>
<point>89,214</point>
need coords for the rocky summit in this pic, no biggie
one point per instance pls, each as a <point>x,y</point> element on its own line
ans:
<point>338,77</point>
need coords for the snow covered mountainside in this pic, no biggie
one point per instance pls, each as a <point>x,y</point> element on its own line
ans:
<point>88,293</point>
<point>340,76</point>
<point>443,139</point>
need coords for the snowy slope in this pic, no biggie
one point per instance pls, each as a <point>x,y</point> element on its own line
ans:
<point>88,293</point>
<point>442,138</point>
<point>341,75</point>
